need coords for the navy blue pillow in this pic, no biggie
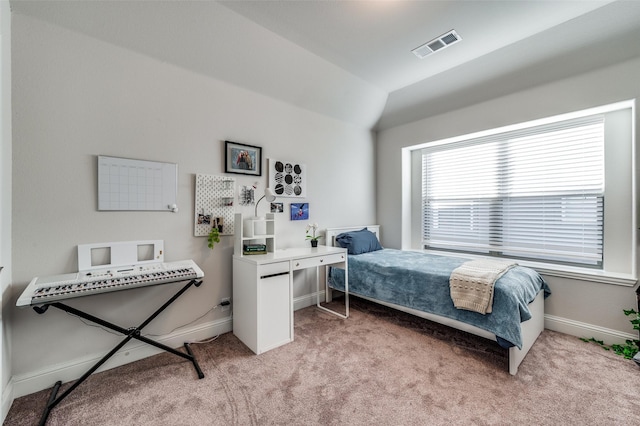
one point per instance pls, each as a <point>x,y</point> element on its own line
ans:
<point>358,242</point>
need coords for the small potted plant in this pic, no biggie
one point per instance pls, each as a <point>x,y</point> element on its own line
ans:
<point>311,234</point>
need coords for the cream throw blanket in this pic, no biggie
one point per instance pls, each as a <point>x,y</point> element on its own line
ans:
<point>471,284</point>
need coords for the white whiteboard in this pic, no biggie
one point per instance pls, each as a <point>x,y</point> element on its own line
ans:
<point>126,184</point>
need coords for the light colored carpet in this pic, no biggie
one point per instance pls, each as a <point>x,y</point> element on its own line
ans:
<point>378,367</point>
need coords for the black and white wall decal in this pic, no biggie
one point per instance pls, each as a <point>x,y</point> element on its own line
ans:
<point>287,178</point>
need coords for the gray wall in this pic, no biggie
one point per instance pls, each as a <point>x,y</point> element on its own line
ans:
<point>75,97</point>
<point>578,307</point>
<point>5,203</point>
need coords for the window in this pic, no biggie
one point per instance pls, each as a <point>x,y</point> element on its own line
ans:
<point>533,193</point>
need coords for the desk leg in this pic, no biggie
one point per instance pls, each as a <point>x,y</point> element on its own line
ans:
<point>346,294</point>
<point>346,287</point>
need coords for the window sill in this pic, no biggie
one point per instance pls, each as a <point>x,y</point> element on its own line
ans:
<point>583,274</point>
<point>574,273</point>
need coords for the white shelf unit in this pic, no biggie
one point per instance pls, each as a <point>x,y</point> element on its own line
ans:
<point>255,231</point>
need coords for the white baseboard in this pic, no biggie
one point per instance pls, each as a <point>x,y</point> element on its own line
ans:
<point>585,330</point>
<point>7,400</point>
<point>34,381</point>
<point>306,300</point>
<point>311,300</point>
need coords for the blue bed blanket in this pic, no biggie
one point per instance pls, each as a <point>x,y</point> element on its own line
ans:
<point>420,281</point>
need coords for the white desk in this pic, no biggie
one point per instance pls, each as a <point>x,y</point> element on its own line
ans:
<point>263,292</point>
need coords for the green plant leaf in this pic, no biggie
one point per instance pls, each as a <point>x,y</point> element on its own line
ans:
<point>631,347</point>
<point>213,238</point>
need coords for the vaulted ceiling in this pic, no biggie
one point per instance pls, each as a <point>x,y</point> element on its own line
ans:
<point>352,59</point>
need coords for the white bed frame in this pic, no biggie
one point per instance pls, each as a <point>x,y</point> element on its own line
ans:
<point>531,329</point>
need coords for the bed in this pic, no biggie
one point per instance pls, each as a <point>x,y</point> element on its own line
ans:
<point>398,279</point>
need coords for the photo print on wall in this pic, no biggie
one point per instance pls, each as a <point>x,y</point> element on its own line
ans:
<point>287,178</point>
<point>299,211</point>
<point>247,195</point>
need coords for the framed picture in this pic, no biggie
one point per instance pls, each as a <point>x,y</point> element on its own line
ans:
<point>299,211</point>
<point>242,159</point>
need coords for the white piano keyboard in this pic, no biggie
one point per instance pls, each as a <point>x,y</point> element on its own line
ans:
<point>43,290</point>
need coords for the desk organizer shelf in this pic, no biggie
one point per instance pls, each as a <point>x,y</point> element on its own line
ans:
<point>255,230</point>
<point>215,197</point>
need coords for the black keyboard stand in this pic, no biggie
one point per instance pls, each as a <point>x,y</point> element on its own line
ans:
<point>130,333</point>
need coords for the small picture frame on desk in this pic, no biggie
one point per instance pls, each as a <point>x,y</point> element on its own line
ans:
<point>242,159</point>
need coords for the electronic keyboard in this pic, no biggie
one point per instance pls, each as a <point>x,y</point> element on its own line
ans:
<point>42,290</point>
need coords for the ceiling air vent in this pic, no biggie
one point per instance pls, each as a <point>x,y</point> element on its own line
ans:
<point>438,43</point>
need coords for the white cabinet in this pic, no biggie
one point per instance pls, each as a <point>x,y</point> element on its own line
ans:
<point>262,303</point>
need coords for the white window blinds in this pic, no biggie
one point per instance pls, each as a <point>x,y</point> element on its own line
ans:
<point>534,193</point>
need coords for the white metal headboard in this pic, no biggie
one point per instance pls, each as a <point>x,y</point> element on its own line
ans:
<point>332,233</point>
